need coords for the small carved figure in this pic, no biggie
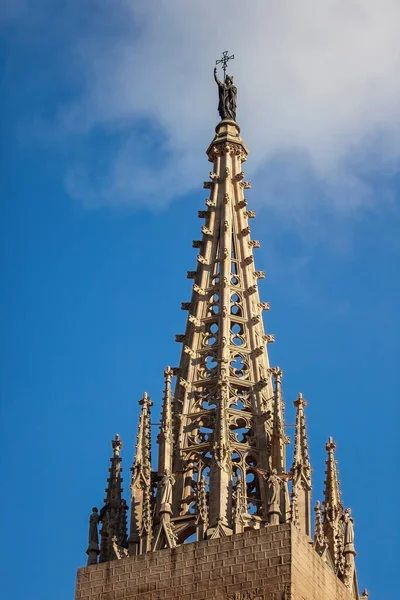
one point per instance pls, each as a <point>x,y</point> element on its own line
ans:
<point>166,484</point>
<point>93,523</point>
<point>227,97</point>
<point>348,527</point>
<point>274,486</point>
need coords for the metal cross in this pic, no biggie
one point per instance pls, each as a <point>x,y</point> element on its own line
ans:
<point>224,61</point>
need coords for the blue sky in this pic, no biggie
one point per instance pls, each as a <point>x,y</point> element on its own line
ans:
<point>108,109</point>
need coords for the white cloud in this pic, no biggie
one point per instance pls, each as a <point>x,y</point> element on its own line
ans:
<point>317,80</point>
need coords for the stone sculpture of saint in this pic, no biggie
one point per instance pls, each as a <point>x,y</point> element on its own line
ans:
<point>93,531</point>
<point>166,484</point>
<point>348,527</point>
<point>227,97</point>
<point>274,486</point>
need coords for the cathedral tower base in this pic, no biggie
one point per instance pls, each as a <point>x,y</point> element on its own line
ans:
<point>274,563</point>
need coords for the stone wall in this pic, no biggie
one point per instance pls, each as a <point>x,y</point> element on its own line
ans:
<point>311,578</point>
<point>216,569</point>
<point>275,563</point>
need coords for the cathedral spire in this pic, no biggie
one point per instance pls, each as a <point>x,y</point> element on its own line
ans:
<point>333,507</point>
<point>301,469</point>
<point>224,404</point>
<point>113,514</point>
<point>141,485</point>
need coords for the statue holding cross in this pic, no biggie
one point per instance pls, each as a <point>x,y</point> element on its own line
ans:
<point>227,90</point>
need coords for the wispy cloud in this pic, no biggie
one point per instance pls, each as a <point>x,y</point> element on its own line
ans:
<point>319,92</point>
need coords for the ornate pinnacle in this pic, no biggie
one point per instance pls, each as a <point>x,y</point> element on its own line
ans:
<point>332,503</point>
<point>141,467</point>
<point>278,432</point>
<point>113,513</point>
<point>301,461</point>
<point>141,489</point>
<point>333,507</point>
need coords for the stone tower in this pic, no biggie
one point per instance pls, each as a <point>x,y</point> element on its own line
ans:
<point>222,517</point>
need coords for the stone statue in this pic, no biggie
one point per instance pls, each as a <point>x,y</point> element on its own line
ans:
<point>274,486</point>
<point>166,484</point>
<point>348,527</point>
<point>227,97</point>
<point>93,523</point>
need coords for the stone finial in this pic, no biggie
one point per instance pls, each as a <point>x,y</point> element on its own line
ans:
<point>116,445</point>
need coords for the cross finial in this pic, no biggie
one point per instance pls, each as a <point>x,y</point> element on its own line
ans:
<point>224,60</point>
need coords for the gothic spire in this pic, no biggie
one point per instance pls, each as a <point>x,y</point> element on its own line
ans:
<point>224,398</point>
<point>301,469</point>
<point>333,507</point>
<point>141,486</point>
<point>113,513</point>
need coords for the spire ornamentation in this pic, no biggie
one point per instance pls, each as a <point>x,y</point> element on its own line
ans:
<point>227,92</point>
<point>113,514</point>
<point>141,485</point>
<point>301,470</point>
<point>333,507</point>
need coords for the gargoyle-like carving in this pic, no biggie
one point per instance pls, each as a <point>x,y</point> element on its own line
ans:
<point>254,244</point>
<point>239,176</point>
<point>180,337</point>
<point>251,290</point>
<point>259,274</point>
<point>226,225</point>
<point>246,185</point>
<point>210,203</point>
<point>201,259</point>
<point>227,172</point>
<point>264,305</point>
<point>194,320</point>
<point>258,351</point>
<point>242,203</point>
<point>213,176</point>
<point>199,290</point>
<point>186,305</point>
<point>196,244</point>
<point>206,230</point>
<point>269,338</point>
<point>191,274</point>
<point>183,382</point>
<point>207,185</point>
<point>248,260</point>
<point>203,214</point>
<point>245,231</point>
<point>226,198</point>
<point>250,214</point>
